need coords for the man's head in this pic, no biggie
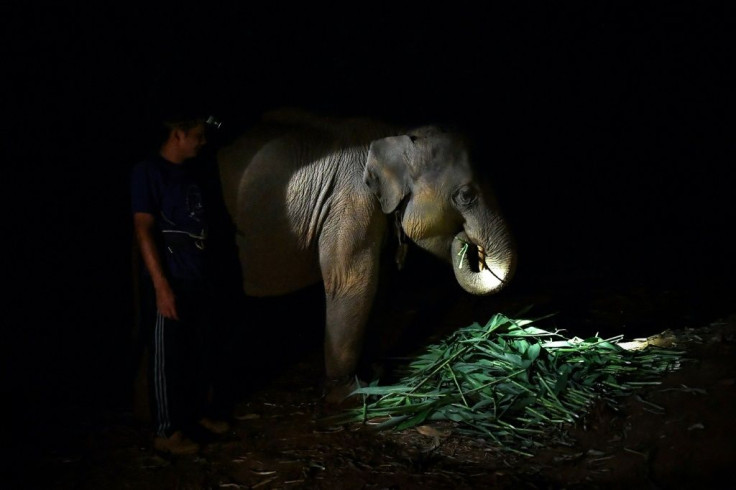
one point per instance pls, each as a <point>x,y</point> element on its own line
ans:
<point>185,137</point>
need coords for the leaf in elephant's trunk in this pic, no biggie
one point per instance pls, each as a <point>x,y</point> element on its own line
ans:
<point>462,253</point>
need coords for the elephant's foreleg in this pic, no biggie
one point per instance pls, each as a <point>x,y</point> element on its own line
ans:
<point>346,319</point>
<point>348,309</point>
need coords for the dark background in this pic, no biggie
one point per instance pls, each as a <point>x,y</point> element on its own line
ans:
<point>607,126</point>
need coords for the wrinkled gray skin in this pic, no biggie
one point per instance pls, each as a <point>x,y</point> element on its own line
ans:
<point>313,200</point>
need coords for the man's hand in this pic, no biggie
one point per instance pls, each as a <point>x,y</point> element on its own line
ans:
<point>166,302</point>
<point>144,231</point>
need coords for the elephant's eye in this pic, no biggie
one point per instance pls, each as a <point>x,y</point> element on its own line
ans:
<point>465,196</point>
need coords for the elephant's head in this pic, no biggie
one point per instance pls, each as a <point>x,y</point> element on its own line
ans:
<point>447,209</point>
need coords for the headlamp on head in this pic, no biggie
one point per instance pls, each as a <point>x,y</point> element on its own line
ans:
<point>213,122</point>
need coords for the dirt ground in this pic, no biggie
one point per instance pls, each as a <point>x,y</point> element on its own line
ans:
<point>679,434</point>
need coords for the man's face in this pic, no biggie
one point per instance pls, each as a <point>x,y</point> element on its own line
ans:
<point>191,141</point>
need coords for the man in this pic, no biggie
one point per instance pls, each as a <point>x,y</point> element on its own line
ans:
<point>176,203</point>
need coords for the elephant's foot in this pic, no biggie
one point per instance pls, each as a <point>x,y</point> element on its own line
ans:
<point>338,391</point>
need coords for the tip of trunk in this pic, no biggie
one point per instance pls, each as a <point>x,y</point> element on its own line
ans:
<point>476,272</point>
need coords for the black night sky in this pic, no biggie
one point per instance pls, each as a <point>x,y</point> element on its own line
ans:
<point>607,126</point>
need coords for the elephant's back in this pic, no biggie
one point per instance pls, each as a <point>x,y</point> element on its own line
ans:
<point>234,159</point>
<point>294,138</point>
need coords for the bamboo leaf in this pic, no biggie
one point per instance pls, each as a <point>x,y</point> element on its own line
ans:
<point>510,381</point>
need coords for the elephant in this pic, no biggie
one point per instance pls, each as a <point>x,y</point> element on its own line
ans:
<point>321,198</point>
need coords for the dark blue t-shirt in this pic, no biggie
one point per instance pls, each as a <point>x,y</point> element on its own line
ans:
<point>173,194</point>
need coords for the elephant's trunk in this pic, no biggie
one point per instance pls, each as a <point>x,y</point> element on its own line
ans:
<point>482,270</point>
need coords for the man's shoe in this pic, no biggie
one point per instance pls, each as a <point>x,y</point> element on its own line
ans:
<point>176,444</point>
<point>218,427</point>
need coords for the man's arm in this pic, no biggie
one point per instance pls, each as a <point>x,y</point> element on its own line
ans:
<point>144,224</point>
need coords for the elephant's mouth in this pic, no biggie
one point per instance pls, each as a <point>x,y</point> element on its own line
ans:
<point>475,270</point>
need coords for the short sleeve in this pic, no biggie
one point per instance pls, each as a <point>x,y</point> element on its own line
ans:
<point>142,196</point>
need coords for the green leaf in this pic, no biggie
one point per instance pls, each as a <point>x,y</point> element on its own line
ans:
<point>509,381</point>
<point>533,351</point>
<point>417,419</point>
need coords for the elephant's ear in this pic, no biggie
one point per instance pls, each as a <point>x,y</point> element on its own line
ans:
<point>387,172</point>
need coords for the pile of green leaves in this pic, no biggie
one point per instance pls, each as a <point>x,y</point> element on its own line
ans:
<point>510,382</point>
